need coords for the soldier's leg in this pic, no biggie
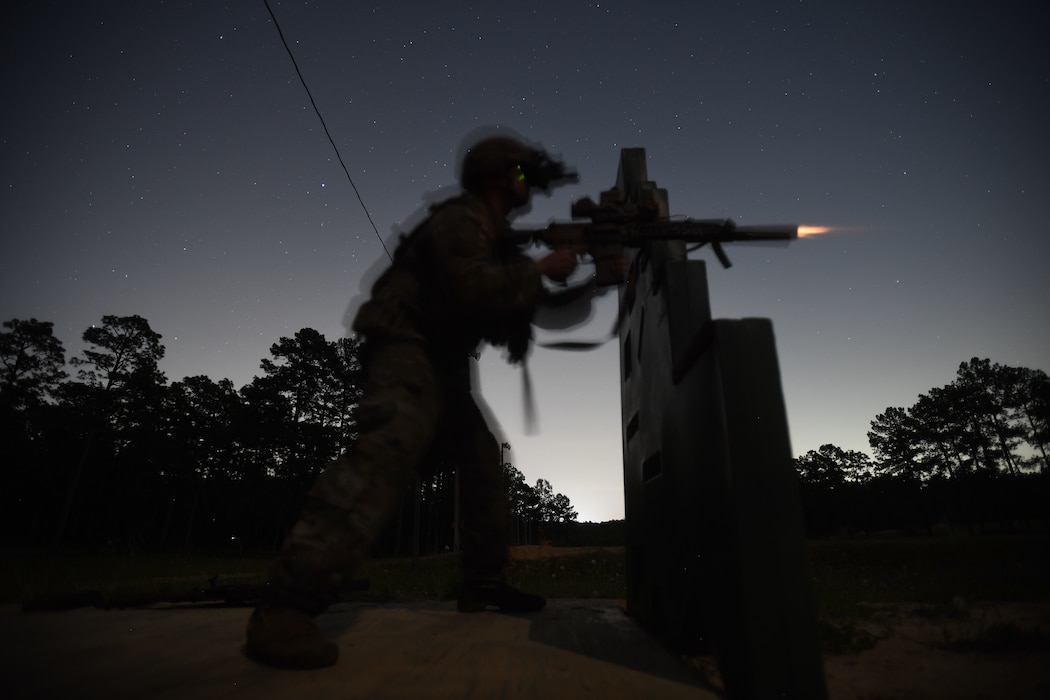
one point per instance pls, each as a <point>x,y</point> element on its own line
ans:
<point>348,507</point>
<point>482,498</point>
<point>483,518</point>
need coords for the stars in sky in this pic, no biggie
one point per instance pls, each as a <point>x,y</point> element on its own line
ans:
<point>163,159</point>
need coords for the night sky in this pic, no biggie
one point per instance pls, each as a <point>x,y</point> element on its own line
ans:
<point>163,159</point>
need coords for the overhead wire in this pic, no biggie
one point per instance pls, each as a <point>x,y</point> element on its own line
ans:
<point>317,111</point>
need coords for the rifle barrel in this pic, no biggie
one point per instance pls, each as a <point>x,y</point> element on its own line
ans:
<point>776,232</point>
<point>633,234</point>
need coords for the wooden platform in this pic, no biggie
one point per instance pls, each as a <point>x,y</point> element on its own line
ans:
<point>573,649</point>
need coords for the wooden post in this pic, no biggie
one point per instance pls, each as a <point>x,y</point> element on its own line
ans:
<point>716,551</point>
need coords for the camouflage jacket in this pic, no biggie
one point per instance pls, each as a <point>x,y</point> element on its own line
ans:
<point>452,285</point>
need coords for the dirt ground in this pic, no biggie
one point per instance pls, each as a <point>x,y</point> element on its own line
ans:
<point>963,651</point>
<point>960,651</point>
<point>981,651</point>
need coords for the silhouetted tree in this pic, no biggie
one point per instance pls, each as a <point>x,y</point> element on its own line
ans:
<point>544,496</point>
<point>984,390</point>
<point>318,381</point>
<point>121,349</point>
<point>202,460</point>
<point>199,415</point>
<point>984,420</point>
<point>549,509</point>
<point>520,501</point>
<point>968,444</point>
<point>831,467</point>
<point>347,376</point>
<point>894,439</point>
<point>120,459</point>
<point>31,363</point>
<point>119,398</point>
<point>1031,408</point>
<point>561,510</point>
<point>937,439</point>
<point>834,487</point>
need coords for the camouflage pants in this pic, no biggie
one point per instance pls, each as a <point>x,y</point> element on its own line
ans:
<point>413,410</point>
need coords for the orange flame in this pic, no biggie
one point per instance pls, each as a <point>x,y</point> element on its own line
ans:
<point>804,231</point>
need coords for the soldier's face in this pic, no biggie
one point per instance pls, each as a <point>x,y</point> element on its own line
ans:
<point>519,187</point>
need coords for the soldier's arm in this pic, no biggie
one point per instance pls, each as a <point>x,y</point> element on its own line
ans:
<point>472,278</point>
<point>557,265</point>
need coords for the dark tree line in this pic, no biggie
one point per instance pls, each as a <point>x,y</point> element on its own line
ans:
<point>117,458</point>
<point>972,455</point>
<point>535,513</point>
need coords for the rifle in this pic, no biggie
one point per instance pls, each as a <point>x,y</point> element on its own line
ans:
<point>616,223</point>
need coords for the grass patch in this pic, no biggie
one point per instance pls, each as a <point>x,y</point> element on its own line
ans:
<point>28,576</point>
<point>932,570</point>
<point>598,574</point>
<point>391,580</point>
<point>67,580</point>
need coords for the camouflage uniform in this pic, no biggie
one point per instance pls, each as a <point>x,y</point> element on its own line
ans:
<point>450,287</point>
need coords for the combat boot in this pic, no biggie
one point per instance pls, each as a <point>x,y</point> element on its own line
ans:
<point>288,638</point>
<point>480,595</point>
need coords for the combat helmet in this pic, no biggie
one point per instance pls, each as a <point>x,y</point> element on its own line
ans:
<point>496,156</point>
